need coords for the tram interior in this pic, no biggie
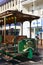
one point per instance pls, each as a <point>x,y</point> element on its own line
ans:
<point>11,47</point>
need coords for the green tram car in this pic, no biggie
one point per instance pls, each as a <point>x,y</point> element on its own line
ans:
<point>13,46</point>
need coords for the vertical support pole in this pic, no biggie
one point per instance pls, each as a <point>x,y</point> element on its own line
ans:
<point>1,25</point>
<point>2,31</point>
<point>22,28</point>
<point>0,34</point>
<point>34,32</point>
<point>9,28</point>
<point>30,29</point>
<point>15,25</point>
<point>41,35</point>
<point>15,35</point>
<point>37,33</point>
<point>41,30</point>
<point>4,28</point>
<point>1,28</point>
<point>37,36</point>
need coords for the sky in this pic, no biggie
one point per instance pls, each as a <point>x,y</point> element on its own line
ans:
<point>3,1</point>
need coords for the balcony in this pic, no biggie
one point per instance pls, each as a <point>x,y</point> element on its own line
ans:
<point>37,4</point>
<point>24,0</point>
<point>27,1</point>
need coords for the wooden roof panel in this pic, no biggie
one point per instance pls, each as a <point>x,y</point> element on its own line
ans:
<point>21,17</point>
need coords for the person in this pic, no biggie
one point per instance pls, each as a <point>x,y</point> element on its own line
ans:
<point>37,38</point>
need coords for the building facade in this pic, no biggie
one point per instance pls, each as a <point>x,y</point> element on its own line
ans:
<point>34,7</point>
<point>10,5</point>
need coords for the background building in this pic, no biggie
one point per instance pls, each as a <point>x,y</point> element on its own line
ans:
<point>34,7</point>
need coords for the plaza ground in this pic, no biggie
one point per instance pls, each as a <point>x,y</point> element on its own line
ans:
<point>40,44</point>
<point>37,60</point>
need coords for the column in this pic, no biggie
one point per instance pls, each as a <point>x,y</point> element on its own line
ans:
<point>34,32</point>
<point>15,4</point>
<point>9,29</point>
<point>4,28</point>
<point>22,28</point>
<point>1,29</point>
<point>30,29</point>
<point>41,37</point>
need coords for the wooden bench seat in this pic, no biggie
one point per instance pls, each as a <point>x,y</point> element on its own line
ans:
<point>9,39</point>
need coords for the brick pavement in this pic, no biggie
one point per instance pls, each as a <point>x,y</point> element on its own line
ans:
<point>40,44</point>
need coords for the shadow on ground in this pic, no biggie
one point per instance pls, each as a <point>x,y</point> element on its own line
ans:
<point>19,60</point>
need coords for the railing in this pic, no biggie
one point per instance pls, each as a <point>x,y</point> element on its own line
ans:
<point>24,0</point>
<point>27,0</point>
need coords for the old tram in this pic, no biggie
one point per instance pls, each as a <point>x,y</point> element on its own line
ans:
<point>12,46</point>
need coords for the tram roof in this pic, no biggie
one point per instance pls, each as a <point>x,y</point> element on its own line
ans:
<point>20,17</point>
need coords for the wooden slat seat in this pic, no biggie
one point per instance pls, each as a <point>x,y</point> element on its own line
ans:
<point>9,39</point>
<point>20,38</point>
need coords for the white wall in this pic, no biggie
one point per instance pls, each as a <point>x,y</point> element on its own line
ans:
<point>26,28</point>
<point>12,5</point>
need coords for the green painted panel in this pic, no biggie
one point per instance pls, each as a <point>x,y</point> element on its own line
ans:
<point>1,51</point>
<point>30,53</point>
<point>21,45</point>
<point>26,43</point>
<point>33,43</point>
<point>0,38</point>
